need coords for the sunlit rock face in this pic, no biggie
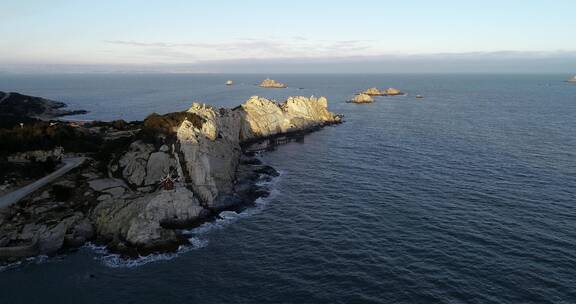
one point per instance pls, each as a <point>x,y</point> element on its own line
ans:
<point>211,153</point>
<point>373,92</point>
<point>392,92</point>
<point>262,117</point>
<point>270,83</point>
<point>362,98</point>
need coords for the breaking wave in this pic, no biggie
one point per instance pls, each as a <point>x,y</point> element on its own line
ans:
<point>198,236</point>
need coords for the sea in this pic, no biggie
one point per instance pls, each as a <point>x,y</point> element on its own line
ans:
<point>467,195</point>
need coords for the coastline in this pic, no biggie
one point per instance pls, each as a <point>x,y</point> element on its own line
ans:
<point>119,198</point>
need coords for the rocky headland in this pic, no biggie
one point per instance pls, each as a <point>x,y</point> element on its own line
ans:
<point>16,106</point>
<point>273,84</point>
<point>145,181</point>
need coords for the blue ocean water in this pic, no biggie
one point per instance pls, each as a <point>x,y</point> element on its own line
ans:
<point>465,196</point>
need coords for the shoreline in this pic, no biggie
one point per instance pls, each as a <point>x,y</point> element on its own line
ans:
<point>147,182</point>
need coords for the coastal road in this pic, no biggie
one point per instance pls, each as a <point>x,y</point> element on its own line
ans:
<point>14,196</point>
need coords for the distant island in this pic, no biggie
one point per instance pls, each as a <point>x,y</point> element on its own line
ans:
<point>270,83</point>
<point>137,183</point>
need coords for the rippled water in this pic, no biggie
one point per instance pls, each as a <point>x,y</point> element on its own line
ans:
<point>466,196</point>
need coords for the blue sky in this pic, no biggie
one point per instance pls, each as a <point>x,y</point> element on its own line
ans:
<point>215,33</point>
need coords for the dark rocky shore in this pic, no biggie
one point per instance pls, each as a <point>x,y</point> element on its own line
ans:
<point>142,181</point>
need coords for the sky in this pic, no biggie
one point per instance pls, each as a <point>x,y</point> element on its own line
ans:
<point>288,36</point>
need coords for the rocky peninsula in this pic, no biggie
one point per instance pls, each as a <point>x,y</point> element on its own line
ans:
<point>145,181</point>
<point>16,105</point>
<point>270,83</point>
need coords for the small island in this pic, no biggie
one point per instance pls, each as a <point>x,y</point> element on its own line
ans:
<point>270,83</point>
<point>386,92</point>
<point>373,92</point>
<point>362,98</point>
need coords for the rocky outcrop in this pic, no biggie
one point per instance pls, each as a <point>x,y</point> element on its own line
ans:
<point>210,153</point>
<point>362,98</point>
<point>270,83</point>
<point>262,117</point>
<point>392,92</point>
<point>159,165</point>
<point>144,222</point>
<point>373,92</point>
<point>134,162</point>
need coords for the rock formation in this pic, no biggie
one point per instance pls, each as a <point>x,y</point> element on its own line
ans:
<point>206,162</point>
<point>121,199</point>
<point>373,92</point>
<point>392,92</point>
<point>362,98</point>
<point>263,117</point>
<point>269,83</point>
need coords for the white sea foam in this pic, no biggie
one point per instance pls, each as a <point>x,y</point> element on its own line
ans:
<point>198,236</point>
<point>41,259</point>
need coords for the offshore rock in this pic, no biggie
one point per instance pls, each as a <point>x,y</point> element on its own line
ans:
<point>362,98</point>
<point>392,92</point>
<point>270,83</point>
<point>373,92</point>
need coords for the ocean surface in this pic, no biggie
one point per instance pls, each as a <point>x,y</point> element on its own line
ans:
<point>465,196</point>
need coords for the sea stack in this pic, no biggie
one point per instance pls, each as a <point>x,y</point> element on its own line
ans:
<point>270,83</point>
<point>362,98</point>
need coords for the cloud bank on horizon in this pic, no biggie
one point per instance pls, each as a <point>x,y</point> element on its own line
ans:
<point>302,36</point>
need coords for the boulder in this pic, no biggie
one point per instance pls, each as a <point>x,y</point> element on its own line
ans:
<point>134,162</point>
<point>140,222</point>
<point>158,167</point>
